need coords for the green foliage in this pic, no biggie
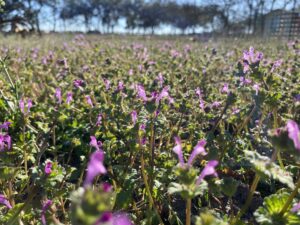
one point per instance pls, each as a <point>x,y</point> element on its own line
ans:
<point>269,213</point>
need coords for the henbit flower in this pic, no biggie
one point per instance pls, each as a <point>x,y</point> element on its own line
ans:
<point>89,100</point>
<point>106,187</point>
<point>22,106</point>
<point>78,83</point>
<point>133,117</point>
<point>256,88</point>
<point>276,64</point>
<point>225,88</point>
<point>178,150</point>
<point>69,97</point>
<point>245,81</point>
<point>198,92</point>
<point>4,201</point>
<point>5,142</point>
<point>142,127</point>
<point>216,104</point>
<point>107,84</point>
<point>99,120</point>
<point>95,167</point>
<point>48,168</point>
<point>141,92</point>
<point>296,208</point>
<point>113,219</point>
<point>201,104</point>
<point>294,133</point>
<point>120,86</point>
<point>160,79</point>
<point>5,125</point>
<point>198,149</point>
<point>45,207</point>
<point>297,98</point>
<point>164,94</point>
<point>58,95</point>
<point>96,144</point>
<point>209,169</point>
<point>130,72</point>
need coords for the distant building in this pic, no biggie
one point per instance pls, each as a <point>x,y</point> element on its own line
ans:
<point>281,23</point>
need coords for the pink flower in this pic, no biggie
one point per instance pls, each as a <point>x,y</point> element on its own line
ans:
<point>96,144</point>
<point>294,133</point>
<point>209,169</point>
<point>95,167</point>
<point>22,106</point>
<point>5,142</point>
<point>89,100</point>
<point>256,88</point>
<point>45,207</point>
<point>4,201</point>
<point>69,97</point>
<point>199,149</point>
<point>133,117</point>
<point>141,92</point>
<point>5,125</point>
<point>58,95</point>
<point>99,120</point>
<point>225,88</point>
<point>48,168</point>
<point>78,83</point>
<point>113,219</point>
<point>178,150</point>
<point>296,208</point>
<point>107,84</point>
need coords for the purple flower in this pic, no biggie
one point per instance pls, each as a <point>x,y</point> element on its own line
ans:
<point>96,144</point>
<point>106,187</point>
<point>78,83</point>
<point>95,167</point>
<point>245,81</point>
<point>209,169</point>
<point>225,88</point>
<point>178,150</point>
<point>69,97</point>
<point>276,64</point>
<point>89,100</point>
<point>201,104</point>
<point>120,86</point>
<point>107,84</point>
<point>4,201</point>
<point>113,219</point>
<point>99,120</point>
<point>5,142</point>
<point>296,208</point>
<point>5,125</point>
<point>58,95</point>
<point>45,207</point>
<point>141,92</point>
<point>199,149</point>
<point>121,219</point>
<point>160,79</point>
<point>198,92</point>
<point>297,98</point>
<point>48,168</point>
<point>133,117</point>
<point>22,106</point>
<point>142,127</point>
<point>216,104</point>
<point>256,88</point>
<point>130,72</point>
<point>164,94</point>
<point>294,133</point>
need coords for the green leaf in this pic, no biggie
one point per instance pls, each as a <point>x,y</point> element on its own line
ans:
<point>265,168</point>
<point>269,213</point>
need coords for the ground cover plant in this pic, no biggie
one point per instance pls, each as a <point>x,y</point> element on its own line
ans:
<point>115,130</point>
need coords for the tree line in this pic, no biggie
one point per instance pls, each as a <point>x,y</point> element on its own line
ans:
<point>224,16</point>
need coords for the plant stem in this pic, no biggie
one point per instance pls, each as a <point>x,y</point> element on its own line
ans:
<point>145,179</point>
<point>290,199</point>
<point>152,146</point>
<point>248,200</point>
<point>188,211</point>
